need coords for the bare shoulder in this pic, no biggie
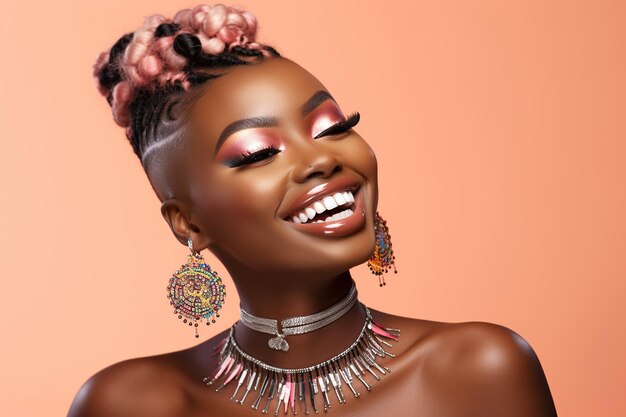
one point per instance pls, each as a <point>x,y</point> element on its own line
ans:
<point>134,387</point>
<point>487,368</point>
<point>476,346</point>
<point>470,368</point>
<point>152,386</point>
<point>479,348</point>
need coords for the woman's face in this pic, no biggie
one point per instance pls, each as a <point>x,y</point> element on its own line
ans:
<point>261,160</point>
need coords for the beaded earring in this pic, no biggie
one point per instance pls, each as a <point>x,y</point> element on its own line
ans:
<point>383,256</point>
<point>196,291</point>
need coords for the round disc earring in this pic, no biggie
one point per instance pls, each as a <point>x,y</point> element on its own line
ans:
<point>196,291</point>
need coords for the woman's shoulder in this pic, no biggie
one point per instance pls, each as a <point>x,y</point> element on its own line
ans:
<point>478,349</point>
<point>129,388</point>
<point>469,360</point>
<point>482,340</point>
<point>154,386</point>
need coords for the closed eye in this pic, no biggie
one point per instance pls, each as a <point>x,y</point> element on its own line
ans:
<point>342,126</point>
<point>252,157</point>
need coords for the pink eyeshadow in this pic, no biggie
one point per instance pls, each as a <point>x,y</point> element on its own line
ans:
<point>245,142</point>
<point>325,116</point>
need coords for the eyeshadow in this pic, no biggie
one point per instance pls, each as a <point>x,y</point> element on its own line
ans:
<point>247,141</point>
<point>325,116</point>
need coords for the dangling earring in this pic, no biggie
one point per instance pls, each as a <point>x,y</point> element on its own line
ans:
<point>383,256</point>
<point>196,291</point>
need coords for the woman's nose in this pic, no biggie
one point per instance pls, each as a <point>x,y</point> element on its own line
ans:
<point>316,160</point>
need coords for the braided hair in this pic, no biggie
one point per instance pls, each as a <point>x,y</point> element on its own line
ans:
<point>144,70</point>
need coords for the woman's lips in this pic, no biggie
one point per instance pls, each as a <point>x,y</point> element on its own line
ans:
<point>341,227</point>
<point>335,185</point>
<point>337,205</point>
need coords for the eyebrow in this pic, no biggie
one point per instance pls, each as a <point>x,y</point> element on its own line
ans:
<point>315,100</point>
<point>245,124</point>
<point>270,121</point>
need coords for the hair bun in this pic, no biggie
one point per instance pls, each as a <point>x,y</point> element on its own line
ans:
<point>157,53</point>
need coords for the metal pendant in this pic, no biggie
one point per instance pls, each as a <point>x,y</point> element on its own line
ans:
<point>278,343</point>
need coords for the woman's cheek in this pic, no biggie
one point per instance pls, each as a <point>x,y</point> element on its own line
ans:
<point>362,155</point>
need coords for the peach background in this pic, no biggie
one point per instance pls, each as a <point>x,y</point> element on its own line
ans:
<point>499,128</point>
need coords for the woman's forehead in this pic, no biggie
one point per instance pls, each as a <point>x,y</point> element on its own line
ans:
<point>276,87</point>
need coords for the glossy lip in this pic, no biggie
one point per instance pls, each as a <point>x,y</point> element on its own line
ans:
<point>336,228</point>
<point>319,191</point>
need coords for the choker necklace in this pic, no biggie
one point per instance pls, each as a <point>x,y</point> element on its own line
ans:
<point>300,324</point>
<point>299,387</point>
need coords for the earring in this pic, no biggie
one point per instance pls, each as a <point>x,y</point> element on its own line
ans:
<point>196,291</point>
<point>383,256</point>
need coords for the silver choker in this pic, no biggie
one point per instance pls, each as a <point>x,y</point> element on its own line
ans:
<point>299,324</point>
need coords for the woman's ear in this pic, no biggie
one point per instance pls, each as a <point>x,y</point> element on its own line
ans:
<point>176,215</point>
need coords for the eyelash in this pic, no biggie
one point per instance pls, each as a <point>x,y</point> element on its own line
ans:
<point>342,126</point>
<point>252,157</point>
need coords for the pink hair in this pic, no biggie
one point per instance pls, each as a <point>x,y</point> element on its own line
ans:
<point>150,61</point>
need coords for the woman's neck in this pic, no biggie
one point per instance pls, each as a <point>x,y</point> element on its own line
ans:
<point>300,297</point>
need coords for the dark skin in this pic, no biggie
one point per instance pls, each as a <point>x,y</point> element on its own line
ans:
<point>238,213</point>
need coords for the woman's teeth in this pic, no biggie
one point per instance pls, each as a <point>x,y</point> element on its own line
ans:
<point>329,202</point>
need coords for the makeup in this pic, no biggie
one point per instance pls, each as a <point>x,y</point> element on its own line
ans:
<point>242,144</point>
<point>336,228</point>
<point>340,127</point>
<point>249,146</point>
<point>317,192</point>
<point>325,116</point>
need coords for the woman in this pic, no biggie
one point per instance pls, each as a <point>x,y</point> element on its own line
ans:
<point>253,159</point>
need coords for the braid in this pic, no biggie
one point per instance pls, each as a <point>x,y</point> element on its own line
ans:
<point>145,69</point>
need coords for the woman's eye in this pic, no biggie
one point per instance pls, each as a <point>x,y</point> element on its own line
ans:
<point>342,126</point>
<point>251,157</point>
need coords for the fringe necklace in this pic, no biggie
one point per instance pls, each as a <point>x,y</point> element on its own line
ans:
<point>299,388</point>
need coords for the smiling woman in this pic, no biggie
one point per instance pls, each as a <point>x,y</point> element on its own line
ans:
<point>254,160</point>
